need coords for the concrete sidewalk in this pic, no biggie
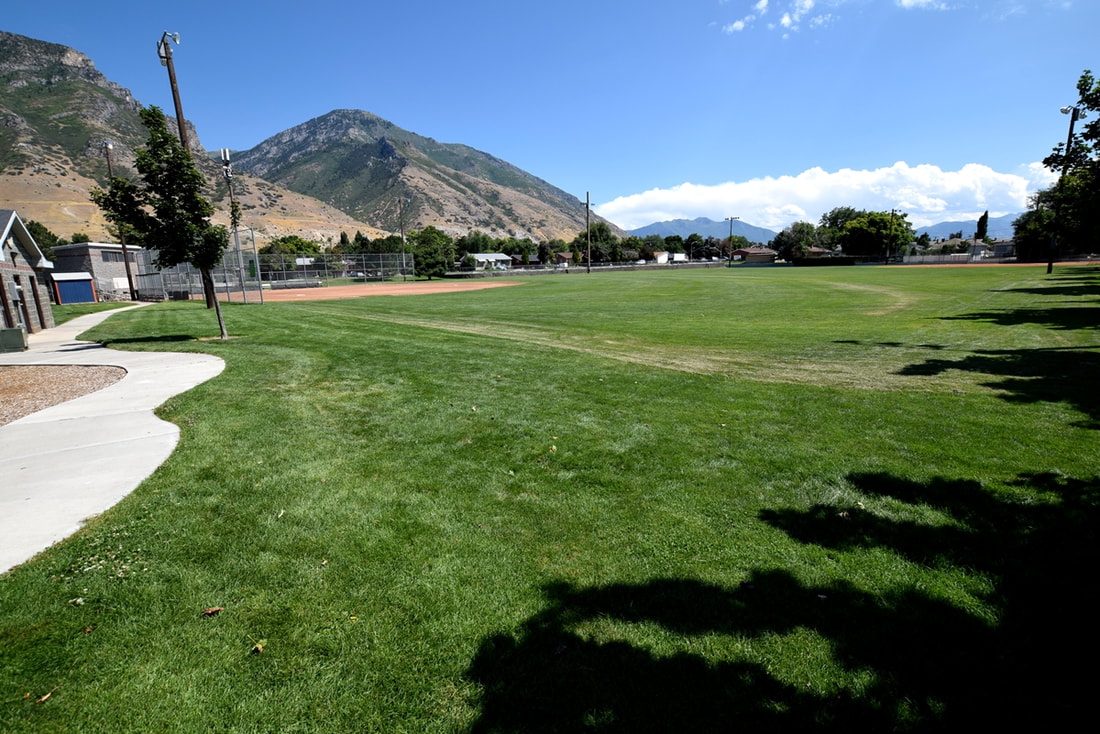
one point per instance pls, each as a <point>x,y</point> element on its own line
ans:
<point>62,465</point>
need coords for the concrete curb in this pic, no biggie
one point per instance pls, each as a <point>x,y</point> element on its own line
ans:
<point>69,462</point>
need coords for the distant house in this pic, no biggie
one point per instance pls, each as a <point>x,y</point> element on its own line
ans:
<point>660,257</point>
<point>755,255</point>
<point>563,258</point>
<point>24,298</point>
<point>518,262</point>
<point>492,260</point>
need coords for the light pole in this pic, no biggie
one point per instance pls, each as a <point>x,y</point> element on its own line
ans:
<point>1075,113</point>
<point>588,233</point>
<point>227,171</point>
<point>890,237</point>
<point>401,216</point>
<point>107,148</point>
<point>164,51</point>
<point>731,220</point>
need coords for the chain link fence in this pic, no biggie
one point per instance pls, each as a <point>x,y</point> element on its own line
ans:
<point>243,275</point>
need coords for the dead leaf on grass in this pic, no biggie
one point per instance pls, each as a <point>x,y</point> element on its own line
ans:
<point>258,647</point>
<point>210,612</point>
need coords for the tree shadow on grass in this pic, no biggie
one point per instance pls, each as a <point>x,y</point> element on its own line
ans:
<point>1057,375</point>
<point>1063,318</point>
<point>930,665</point>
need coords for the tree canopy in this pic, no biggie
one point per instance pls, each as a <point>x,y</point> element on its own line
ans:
<point>1066,212</point>
<point>434,252</point>
<point>167,206</point>
<point>290,244</point>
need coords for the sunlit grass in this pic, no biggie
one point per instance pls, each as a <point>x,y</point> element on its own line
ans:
<point>767,498</point>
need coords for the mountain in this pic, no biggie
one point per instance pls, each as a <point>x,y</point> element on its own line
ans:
<point>705,227</point>
<point>343,172</point>
<point>999,228</point>
<point>364,165</point>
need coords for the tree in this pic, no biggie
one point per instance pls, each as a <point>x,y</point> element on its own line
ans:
<point>1066,212</point>
<point>434,252</point>
<point>167,207</point>
<point>290,244</point>
<point>44,238</point>
<point>832,223</point>
<point>795,241</point>
<point>876,233</point>
<point>674,243</point>
<point>694,245</point>
<point>80,237</point>
<point>983,227</point>
<point>604,241</point>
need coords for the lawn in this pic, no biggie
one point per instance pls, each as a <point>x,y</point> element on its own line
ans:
<point>850,499</point>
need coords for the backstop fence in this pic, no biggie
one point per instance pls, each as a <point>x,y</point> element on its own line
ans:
<point>243,275</point>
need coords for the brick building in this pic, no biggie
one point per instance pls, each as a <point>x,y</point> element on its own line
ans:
<point>24,297</point>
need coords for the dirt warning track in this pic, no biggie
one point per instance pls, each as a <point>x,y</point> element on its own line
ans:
<point>417,288</point>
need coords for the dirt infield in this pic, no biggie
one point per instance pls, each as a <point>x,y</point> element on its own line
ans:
<point>415,288</point>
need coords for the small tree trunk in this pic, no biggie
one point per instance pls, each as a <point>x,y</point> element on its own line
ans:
<point>208,291</point>
<point>206,277</point>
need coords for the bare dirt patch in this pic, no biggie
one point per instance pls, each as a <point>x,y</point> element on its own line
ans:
<point>415,288</point>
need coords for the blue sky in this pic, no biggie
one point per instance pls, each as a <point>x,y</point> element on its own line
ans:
<point>771,110</point>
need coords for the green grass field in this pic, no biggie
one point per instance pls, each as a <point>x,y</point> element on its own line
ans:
<point>848,499</point>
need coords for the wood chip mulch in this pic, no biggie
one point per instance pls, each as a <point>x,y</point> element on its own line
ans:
<point>26,389</point>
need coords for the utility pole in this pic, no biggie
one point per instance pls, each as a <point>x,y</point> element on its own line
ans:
<point>731,220</point>
<point>107,148</point>
<point>1075,113</point>
<point>227,171</point>
<point>401,216</point>
<point>164,51</point>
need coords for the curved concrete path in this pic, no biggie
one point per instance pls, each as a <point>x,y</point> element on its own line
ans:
<point>62,465</point>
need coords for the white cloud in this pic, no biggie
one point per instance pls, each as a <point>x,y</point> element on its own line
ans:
<point>930,4</point>
<point>761,7</point>
<point>927,193</point>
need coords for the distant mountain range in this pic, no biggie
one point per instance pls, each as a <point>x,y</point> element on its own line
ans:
<point>706,228</point>
<point>999,228</point>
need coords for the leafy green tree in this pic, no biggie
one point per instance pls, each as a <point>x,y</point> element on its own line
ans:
<point>1072,203</point>
<point>877,233</point>
<point>475,241</point>
<point>832,223</point>
<point>548,250</point>
<point>45,239</point>
<point>434,252</point>
<point>983,227</point>
<point>795,241</point>
<point>674,243</point>
<point>604,241</point>
<point>693,245</point>
<point>167,207</point>
<point>290,244</point>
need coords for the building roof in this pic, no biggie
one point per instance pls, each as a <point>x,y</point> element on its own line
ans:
<point>64,249</point>
<point>61,277</point>
<point>495,256</point>
<point>12,226</point>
